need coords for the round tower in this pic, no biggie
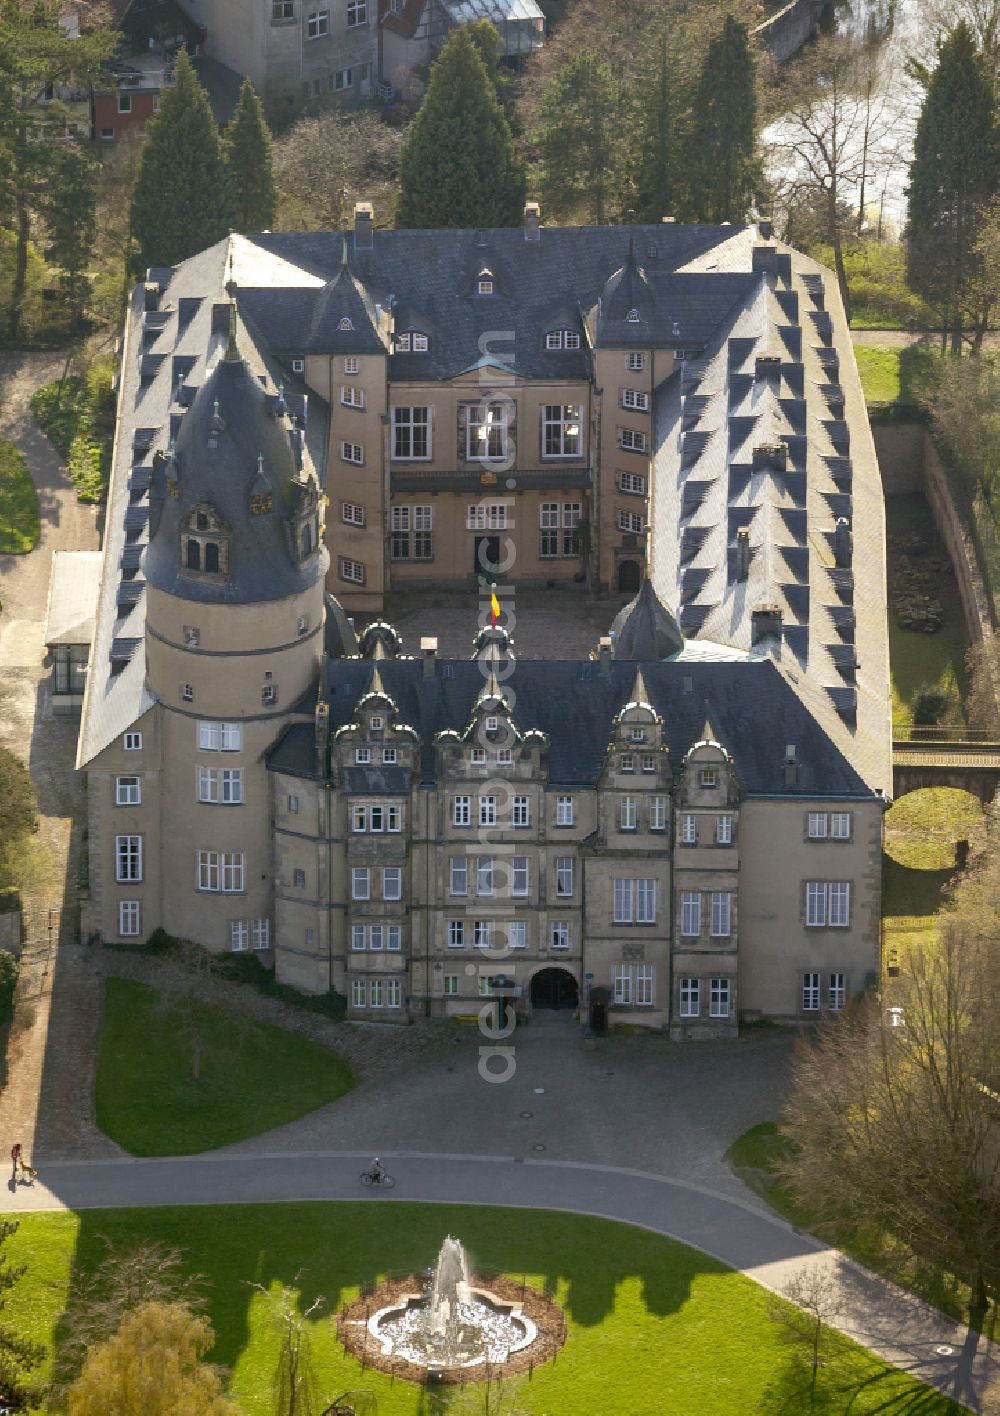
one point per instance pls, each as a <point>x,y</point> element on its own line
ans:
<point>235,571</point>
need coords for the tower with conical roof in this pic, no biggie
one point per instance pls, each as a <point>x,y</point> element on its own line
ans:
<point>234,637</point>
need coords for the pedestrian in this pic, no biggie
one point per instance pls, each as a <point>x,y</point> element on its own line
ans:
<point>15,1158</point>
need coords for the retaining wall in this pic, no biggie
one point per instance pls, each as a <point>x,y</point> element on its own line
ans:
<point>786,32</point>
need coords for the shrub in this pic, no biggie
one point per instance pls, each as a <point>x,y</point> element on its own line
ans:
<point>929,705</point>
<point>77,415</point>
<point>19,517</point>
<point>9,970</point>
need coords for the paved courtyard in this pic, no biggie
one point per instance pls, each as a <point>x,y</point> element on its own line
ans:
<point>545,624</point>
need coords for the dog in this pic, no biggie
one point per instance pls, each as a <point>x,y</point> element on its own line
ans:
<point>28,1173</point>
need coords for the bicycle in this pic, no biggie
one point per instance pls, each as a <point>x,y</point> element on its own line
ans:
<point>367,1177</point>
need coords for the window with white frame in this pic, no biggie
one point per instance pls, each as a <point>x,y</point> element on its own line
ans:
<point>352,452</point>
<point>282,9</point>
<point>298,366</point>
<point>635,362</point>
<point>626,763</point>
<point>461,811</point>
<point>564,811</point>
<point>293,805</point>
<point>456,933</point>
<point>722,913</point>
<point>657,813</point>
<point>221,785</point>
<point>352,397</point>
<point>548,520</point>
<point>632,484</point>
<point>724,830</point>
<point>133,742</point>
<point>343,79</point>
<point>477,756</point>
<point>521,811</point>
<point>361,885</point>
<point>299,879</point>
<point>359,993</point>
<point>559,934</point>
<point>362,756</point>
<point>623,983</point>
<point>129,918</point>
<point>645,902</point>
<point>128,858</point>
<point>128,791</point>
<point>708,777</point>
<point>350,364</point>
<point>562,339</point>
<point>357,938</point>
<point>637,734</point>
<point>459,882</point>
<point>411,434</point>
<point>376,992</point>
<point>517,936</point>
<point>220,737</point>
<point>352,514</point>
<point>487,516</point>
<point>486,432</point>
<point>719,998</point>
<point>828,902</point>
<point>561,430</point>
<point>392,882</point>
<point>810,992</point>
<point>690,997</point>
<point>389,758</point>
<point>318,24</point>
<point>482,934</point>
<point>393,993</point>
<point>519,878</point>
<point>644,985</point>
<point>840,825</point>
<point>817,825</point>
<point>631,441</point>
<point>487,811</point>
<point>450,985</point>
<point>352,570</point>
<point>631,521</point>
<point>411,536</point>
<point>634,398</point>
<point>836,992</point>
<point>564,876</point>
<point>627,814</point>
<point>376,937</point>
<point>623,901</point>
<point>222,871</point>
<point>357,12</point>
<point>690,913</point>
<point>689,829</point>
<point>484,875</point>
<point>239,935</point>
<point>648,762</point>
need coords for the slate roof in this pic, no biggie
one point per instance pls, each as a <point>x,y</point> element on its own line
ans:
<point>753,710</point>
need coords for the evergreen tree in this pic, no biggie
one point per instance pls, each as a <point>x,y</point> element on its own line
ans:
<point>36,54</point>
<point>18,1355</point>
<point>180,204</point>
<point>722,139</point>
<point>459,166</point>
<point>655,194</point>
<point>578,141</point>
<point>484,36</point>
<point>246,149</point>
<point>69,209</point>
<point>955,171</point>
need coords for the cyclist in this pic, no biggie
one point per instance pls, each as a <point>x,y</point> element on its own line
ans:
<point>377,1171</point>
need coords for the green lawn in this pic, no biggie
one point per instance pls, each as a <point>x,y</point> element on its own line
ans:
<point>652,1325</point>
<point>253,1076</point>
<point>894,375</point>
<point>19,522</point>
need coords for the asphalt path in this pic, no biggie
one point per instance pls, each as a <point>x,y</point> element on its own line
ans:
<point>899,1328</point>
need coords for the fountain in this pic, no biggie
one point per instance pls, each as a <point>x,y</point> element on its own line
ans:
<point>453,1327</point>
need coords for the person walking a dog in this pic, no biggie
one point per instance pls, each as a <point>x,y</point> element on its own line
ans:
<point>15,1158</point>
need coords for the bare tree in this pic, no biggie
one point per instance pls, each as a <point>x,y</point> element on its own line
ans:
<point>964,403</point>
<point>899,1126</point>
<point>325,164</point>
<point>294,1379</point>
<point>833,138</point>
<point>804,1315</point>
<point>181,998</point>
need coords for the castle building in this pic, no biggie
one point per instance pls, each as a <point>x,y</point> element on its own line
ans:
<point>681,830</point>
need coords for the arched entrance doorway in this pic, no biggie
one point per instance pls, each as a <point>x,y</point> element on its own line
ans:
<point>628,577</point>
<point>554,988</point>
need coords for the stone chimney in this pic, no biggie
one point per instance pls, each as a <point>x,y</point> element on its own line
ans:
<point>428,653</point>
<point>322,735</point>
<point>604,654</point>
<point>765,623</point>
<point>843,543</point>
<point>766,228</point>
<point>364,225</point>
<point>532,221</point>
<point>742,553</point>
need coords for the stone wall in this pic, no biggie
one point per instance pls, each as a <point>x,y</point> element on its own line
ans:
<point>900,451</point>
<point>789,29</point>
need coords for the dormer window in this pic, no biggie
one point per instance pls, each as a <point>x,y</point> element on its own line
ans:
<point>345,324</point>
<point>632,317</point>
<point>376,724</point>
<point>562,339</point>
<point>484,283</point>
<point>298,366</point>
<point>412,341</point>
<point>261,503</point>
<point>204,544</point>
<point>492,724</point>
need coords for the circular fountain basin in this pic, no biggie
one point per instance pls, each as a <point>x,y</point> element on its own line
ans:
<point>486,1331</point>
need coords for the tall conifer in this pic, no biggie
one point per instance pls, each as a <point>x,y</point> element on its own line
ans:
<point>459,166</point>
<point>722,139</point>
<point>955,171</point>
<point>579,140</point>
<point>181,203</point>
<point>246,149</point>
<point>655,194</point>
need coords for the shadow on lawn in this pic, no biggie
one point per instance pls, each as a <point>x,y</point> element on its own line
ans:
<point>332,1251</point>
